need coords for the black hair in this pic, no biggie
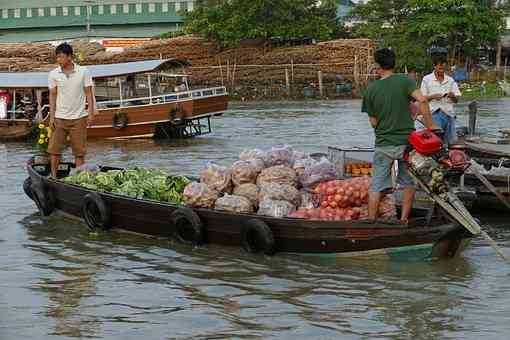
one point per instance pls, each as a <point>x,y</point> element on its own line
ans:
<point>385,58</point>
<point>64,48</point>
<point>438,60</point>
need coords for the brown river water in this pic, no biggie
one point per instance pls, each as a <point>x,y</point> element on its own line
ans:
<point>57,281</point>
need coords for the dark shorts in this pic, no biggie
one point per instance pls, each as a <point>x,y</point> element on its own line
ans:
<point>76,130</point>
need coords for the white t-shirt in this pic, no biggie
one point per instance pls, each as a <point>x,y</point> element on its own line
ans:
<point>430,85</point>
<point>70,91</point>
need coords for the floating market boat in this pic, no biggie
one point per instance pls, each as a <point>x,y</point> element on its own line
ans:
<point>140,99</point>
<point>430,233</point>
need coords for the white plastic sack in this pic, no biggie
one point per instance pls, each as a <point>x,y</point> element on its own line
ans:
<point>232,203</point>
<point>218,178</point>
<point>199,195</point>
<point>275,208</point>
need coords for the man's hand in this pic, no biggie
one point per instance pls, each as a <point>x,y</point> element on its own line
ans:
<point>436,96</point>
<point>451,95</point>
<point>90,118</point>
<point>53,124</point>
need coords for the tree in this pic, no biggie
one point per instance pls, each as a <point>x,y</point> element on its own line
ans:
<point>230,21</point>
<point>412,26</point>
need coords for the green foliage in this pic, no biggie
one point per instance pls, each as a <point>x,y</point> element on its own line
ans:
<point>137,183</point>
<point>412,26</point>
<point>230,21</point>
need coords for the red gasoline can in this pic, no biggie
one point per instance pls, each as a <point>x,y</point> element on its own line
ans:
<point>425,142</point>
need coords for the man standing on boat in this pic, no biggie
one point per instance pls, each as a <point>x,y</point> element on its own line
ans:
<point>442,92</point>
<point>386,101</point>
<point>70,88</point>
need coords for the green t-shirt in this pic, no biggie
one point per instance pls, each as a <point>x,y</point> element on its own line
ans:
<point>388,101</point>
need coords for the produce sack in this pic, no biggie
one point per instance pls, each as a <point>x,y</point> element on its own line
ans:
<point>301,164</point>
<point>247,155</point>
<point>199,195</point>
<point>237,204</point>
<point>278,174</point>
<point>244,172</point>
<point>297,155</point>
<point>280,192</point>
<point>343,193</point>
<point>327,214</point>
<point>218,178</point>
<point>307,200</point>
<point>250,191</point>
<point>257,164</point>
<point>275,208</point>
<point>280,155</point>
<point>387,209</point>
<point>319,172</point>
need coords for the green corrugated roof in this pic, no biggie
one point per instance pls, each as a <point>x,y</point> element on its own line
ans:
<point>121,31</point>
<point>56,3</point>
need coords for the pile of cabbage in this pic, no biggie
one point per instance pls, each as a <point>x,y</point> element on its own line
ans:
<point>140,183</point>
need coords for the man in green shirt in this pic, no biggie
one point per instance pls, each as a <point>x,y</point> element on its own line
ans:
<point>387,103</point>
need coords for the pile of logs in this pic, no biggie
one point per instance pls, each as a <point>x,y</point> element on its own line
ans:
<point>248,72</point>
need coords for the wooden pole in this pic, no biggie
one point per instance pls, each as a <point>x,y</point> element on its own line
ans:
<point>321,87</point>
<point>292,70</point>
<point>14,104</point>
<point>120,90</point>
<point>287,81</point>
<point>150,87</point>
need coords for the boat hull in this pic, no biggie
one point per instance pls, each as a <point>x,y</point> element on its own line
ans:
<point>437,239</point>
<point>15,130</point>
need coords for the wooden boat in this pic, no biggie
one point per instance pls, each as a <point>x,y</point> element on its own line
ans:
<point>14,130</point>
<point>135,100</point>
<point>428,235</point>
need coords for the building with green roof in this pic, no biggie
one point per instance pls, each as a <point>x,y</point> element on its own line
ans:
<point>51,20</point>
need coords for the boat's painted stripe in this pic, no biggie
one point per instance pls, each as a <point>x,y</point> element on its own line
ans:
<point>148,135</point>
<point>415,251</point>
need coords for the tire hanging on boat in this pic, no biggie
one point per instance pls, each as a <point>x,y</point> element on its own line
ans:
<point>27,188</point>
<point>187,228</point>
<point>257,237</point>
<point>120,121</point>
<point>96,212</point>
<point>43,198</point>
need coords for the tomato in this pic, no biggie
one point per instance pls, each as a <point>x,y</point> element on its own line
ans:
<point>333,204</point>
<point>324,204</point>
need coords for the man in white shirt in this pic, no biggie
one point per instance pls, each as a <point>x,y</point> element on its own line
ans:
<point>70,88</point>
<point>442,92</point>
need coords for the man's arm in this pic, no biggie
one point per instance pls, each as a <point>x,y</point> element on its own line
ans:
<point>424,109</point>
<point>53,105</point>
<point>91,103</point>
<point>455,93</point>
<point>373,121</point>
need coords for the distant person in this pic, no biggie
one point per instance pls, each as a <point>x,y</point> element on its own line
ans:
<point>442,92</point>
<point>70,88</point>
<point>386,101</point>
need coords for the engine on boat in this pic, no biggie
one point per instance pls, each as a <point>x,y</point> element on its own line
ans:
<point>433,162</point>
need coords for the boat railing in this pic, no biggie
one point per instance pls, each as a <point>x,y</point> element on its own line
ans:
<point>40,115</point>
<point>164,98</point>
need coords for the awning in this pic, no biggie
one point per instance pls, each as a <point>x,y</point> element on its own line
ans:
<point>40,79</point>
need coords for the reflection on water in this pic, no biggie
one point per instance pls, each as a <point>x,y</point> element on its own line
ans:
<point>60,281</point>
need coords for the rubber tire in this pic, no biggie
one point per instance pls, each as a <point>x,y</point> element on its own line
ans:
<point>120,121</point>
<point>187,228</point>
<point>43,198</point>
<point>257,237</point>
<point>96,213</point>
<point>27,188</point>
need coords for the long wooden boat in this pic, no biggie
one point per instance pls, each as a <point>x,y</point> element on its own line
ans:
<point>16,130</point>
<point>427,236</point>
<point>141,99</point>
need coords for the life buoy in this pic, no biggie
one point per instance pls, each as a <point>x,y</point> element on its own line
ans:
<point>96,212</point>
<point>27,184</point>
<point>43,198</point>
<point>187,228</point>
<point>120,121</point>
<point>257,237</point>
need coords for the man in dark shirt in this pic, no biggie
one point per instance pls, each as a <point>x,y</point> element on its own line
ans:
<point>386,101</point>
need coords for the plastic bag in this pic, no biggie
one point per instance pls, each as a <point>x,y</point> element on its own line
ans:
<point>199,195</point>
<point>218,178</point>
<point>307,200</point>
<point>238,204</point>
<point>387,209</point>
<point>301,164</point>
<point>345,193</point>
<point>297,155</point>
<point>278,174</point>
<point>320,172</point>
<point>280,155</point>
<point>244,172</point>
<point>280,192</point>
<point>274,208</point>
<point>247,155</point>
<point>250,191</point>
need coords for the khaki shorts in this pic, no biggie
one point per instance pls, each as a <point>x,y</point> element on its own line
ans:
<point>76,130</point>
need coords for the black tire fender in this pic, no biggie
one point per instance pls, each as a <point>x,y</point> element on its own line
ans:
<point>43,198</point>
<point>96,213</point>
<point>27,188</point>
<point>187,227</point>
<point>120,121</point>
<point>257,237</point>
